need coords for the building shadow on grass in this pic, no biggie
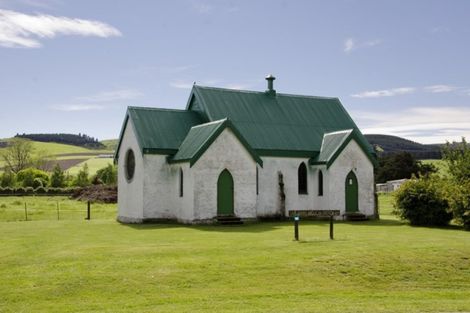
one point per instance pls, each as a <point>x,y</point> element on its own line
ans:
<point>250,227</point>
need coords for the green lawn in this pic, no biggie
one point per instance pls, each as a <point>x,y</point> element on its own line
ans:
<point>103,266</point>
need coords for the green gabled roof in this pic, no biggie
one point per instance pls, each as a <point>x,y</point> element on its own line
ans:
<point>202,136</point>
<point>278,124</point>
<point>159,130</point>
<point>333,143</point>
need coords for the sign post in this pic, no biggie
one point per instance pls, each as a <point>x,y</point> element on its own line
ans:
<point>313,213</point>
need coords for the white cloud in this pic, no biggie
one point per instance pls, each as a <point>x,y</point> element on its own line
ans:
<point>23,30</point>
<point>421,124</point>
<point>440,88</point>
<point>78,107</point>
<point>384,92</point>
<point>100,101</point>
<point>115,95</point>
<point>351,44</point>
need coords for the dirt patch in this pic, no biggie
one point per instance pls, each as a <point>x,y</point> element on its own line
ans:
<point>64,164</point>
<point>97,193</point>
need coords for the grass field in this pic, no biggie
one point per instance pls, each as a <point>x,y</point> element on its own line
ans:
<point>440,164</point>
<point>94,164</point>
<point>103,266</point>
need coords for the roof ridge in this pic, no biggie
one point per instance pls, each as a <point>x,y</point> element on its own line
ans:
<point>158,109</point>
<point>339,132</point>
<point>263,92</point>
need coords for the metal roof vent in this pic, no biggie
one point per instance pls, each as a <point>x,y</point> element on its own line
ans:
<point>270,78</point>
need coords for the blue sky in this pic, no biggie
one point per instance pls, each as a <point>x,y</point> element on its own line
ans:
<point>399,67</point>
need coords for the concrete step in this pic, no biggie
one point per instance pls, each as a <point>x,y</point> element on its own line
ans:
<point>355,216</point>
<point>229,220</point>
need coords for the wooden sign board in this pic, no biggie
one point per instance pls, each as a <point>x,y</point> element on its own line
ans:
<point>314,213</point>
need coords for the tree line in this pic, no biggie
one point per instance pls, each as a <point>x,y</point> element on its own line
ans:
<point>81,140</point>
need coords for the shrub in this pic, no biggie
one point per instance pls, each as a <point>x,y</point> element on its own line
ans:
<point>40,190</point>
<point>29,190</point>
<point>6,191</point>
<point>106,175</point>
<point>19,191</point>
<point>7,179</point>
<point>82,179</point>
<point>459,202</point>
<point>27,176</point>
<point>422,202</point>
<point>37,182</point>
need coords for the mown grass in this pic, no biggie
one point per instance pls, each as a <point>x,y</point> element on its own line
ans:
<point>94,164</point>
<point>103,266</point>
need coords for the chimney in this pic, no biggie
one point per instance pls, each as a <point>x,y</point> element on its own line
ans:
<point>270,91</point>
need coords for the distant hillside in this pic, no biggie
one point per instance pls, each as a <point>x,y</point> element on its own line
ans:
<point>110,144</point>
<point>80,140</point>
<point>392,144</point>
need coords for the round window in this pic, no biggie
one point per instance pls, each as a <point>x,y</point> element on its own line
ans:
<point>130,164</point>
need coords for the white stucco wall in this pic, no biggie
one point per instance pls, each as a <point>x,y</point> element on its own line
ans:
<point>268,203</point>
<point>226,152</point>
<point>351,158</point>
<point>161,189</point>
<point>130,193</point>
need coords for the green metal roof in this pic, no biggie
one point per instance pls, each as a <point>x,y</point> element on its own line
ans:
<point>333,143</point>
<point>275,123</point>
<point>160,130</point>
<point>269,124</point>
<point>201,137</point>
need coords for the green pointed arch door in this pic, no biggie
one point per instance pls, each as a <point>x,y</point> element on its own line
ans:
<point>352,191</point>
<point>225,193</point>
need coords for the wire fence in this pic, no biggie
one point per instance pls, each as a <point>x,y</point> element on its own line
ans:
<point>31,208</point>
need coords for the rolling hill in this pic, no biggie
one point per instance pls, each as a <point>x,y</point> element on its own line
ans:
<point>391,144</point>
<point>70,157</point>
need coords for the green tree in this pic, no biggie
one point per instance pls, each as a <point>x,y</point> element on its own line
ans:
<point>82,179</point>
<point>401,165</point>
<point>17,155</point>
<point>107,175</point>
<point>57,177</point>
<point>457,157</point>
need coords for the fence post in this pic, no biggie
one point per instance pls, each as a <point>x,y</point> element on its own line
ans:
<point>88,211</point>
<point>331,227</point>
<point>25,211</point>
<point>58,216</point>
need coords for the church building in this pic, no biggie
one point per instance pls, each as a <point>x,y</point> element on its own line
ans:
<point>242,155</point>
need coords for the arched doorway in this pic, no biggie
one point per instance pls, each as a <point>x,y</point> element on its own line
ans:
<point>351,193</point>
<point>225,193</point>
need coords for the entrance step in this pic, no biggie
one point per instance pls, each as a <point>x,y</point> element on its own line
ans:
<point>355,216</point>
<point>229,220</point>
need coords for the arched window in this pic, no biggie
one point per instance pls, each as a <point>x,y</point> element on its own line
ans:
<point>181,182</point>
<point>320,183</point>
<point>129,164</point>
<point>302,175</point>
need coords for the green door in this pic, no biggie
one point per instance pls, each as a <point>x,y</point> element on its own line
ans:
<point>225,194</point>
<point>351,193</point>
